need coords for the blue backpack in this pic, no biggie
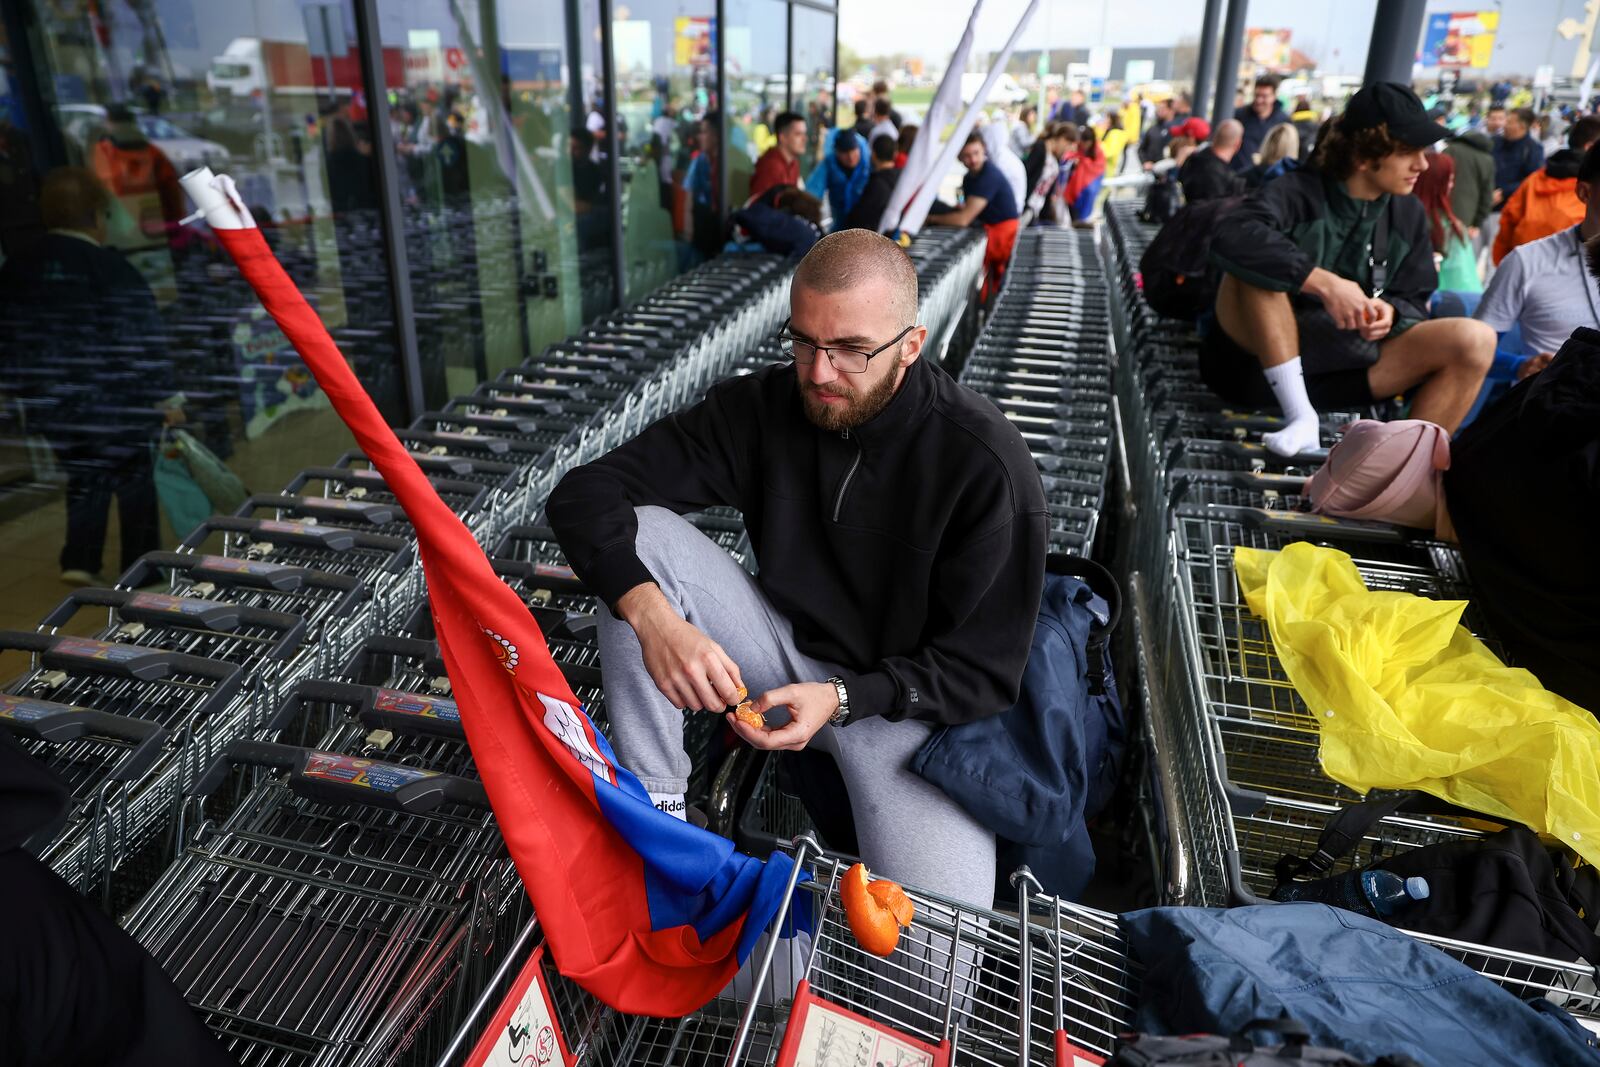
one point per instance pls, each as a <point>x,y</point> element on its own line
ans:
<point>1040,770</point>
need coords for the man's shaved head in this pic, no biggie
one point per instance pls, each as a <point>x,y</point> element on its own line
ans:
<point>847,259</point>
<point>1228,134</point>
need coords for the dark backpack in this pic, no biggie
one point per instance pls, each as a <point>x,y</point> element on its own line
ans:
<point>1176,266</point>
<point>1037,772</point>
<point>1210,1050</point>
<point>1507,889</point>
<point>1164,200</point>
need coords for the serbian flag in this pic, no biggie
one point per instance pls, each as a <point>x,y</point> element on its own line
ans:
<point>649,913</point>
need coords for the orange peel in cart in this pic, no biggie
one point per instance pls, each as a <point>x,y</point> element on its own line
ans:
<point>875,910</point>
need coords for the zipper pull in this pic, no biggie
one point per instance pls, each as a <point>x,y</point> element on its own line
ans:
<point>844,435</point>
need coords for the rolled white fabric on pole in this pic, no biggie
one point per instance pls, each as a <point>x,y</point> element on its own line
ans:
<point>510,153</point>
<point>217,200</point>
<point>917,213</point>
<point>919,160</point>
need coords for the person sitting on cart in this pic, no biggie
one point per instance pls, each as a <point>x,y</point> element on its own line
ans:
<point>900,527</point>
<point>1312,313</point>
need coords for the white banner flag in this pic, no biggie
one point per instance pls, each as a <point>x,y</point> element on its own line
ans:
<point>943,108</point>
<point>911,221</point>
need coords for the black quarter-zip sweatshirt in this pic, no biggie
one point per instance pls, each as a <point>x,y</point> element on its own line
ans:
<point>909,550</point>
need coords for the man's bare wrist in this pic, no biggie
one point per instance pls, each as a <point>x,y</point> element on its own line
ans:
<point>643,604</point>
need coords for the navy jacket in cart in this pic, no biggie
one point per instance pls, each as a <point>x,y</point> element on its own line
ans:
<point>1357,985</point>
<point>1037,772</point>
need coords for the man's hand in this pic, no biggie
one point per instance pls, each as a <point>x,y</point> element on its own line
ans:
<point>689,668</point>
<point>1498,196</point>
<point>1533,365</point>
<point>1346,301</point>
<point>1380,322</point>
<point>810,704</point>
<point>1472,232</point>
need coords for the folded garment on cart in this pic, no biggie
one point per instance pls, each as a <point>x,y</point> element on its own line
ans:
<point>1036,772</point>
<point>1406,698</point>
<point>648,913</point>
<point>1355,983</point>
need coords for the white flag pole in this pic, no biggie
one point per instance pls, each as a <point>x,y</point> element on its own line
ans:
<point>919,160</point>
<point>216,200</point>
<point>917,213</point>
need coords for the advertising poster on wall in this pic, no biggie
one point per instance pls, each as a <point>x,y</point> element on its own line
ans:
<point>1459,39</point>
<point>1270,49</point>
<point>695,41</point>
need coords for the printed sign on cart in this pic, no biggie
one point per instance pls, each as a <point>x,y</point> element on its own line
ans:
<point>524,1032</point>
<point>835,1039</point>
<point>824,1034</point>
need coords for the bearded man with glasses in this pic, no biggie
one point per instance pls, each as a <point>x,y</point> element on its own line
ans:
<point>899,524</point>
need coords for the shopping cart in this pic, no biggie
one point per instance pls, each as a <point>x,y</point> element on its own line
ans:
<point>361,500</point>
<point>958,989</point>
<point>385,565</point>
<point>330,917</point>
<point>125,727</point>
<point>331,605</point>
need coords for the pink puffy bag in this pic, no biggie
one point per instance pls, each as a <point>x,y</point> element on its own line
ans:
<point>1384,472</point>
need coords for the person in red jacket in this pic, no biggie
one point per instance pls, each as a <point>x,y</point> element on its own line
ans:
<point>780,164</point>
<point>138,174</point>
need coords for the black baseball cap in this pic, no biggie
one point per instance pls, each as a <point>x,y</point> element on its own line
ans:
<point>1395,106</point>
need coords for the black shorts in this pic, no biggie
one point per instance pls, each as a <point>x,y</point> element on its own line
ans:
<point>1235,375</point>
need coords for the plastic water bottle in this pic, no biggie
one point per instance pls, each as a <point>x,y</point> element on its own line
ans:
<point>1377,894</point>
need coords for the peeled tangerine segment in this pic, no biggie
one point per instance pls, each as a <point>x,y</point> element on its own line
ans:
<point>750,716</point>
<point>891,896</point>
<point>874,910</point>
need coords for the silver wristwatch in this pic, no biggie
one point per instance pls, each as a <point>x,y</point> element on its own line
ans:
<point>842,716</point>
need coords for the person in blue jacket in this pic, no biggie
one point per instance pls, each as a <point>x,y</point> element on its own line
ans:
<point>842,176</point>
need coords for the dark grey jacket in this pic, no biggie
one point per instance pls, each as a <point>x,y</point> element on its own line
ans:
<point>1473,195</point>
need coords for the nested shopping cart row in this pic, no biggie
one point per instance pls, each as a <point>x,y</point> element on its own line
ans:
<point>197,645</point>
<point>1234,781</point>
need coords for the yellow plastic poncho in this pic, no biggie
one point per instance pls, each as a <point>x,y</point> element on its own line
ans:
<point>1407,698</point>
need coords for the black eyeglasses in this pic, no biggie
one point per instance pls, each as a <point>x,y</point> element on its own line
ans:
<point>845,360</point>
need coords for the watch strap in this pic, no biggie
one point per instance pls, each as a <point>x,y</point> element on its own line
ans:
<point>842,715</point>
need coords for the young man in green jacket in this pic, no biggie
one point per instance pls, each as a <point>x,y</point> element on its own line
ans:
<point>1327,276</point>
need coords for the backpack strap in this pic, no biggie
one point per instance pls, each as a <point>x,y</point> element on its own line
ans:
<point>1349,825</point>
<point>1105,585</point>
<point>1380,240</point>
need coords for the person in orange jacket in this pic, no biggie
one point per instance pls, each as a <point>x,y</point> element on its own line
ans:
<point>1547,202</point>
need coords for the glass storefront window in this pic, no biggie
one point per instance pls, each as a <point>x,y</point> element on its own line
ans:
<point>505,202</point>
<point>116,317</point>
<point>665,64</point>
<point>757,82</point>
<point>812,78</point>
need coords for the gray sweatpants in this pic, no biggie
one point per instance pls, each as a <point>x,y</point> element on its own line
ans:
<point>908,830</point>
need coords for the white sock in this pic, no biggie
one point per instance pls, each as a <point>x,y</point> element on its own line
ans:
<point>671,803</point>
<point>1303,433</point>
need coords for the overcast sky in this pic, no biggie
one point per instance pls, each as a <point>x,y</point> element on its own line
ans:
<point>1527,37</point>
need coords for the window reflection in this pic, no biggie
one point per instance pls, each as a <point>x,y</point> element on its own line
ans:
<point>120,324</point>
<point>664,60</point>
<point>813,79</point>
<point>757,81</point>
